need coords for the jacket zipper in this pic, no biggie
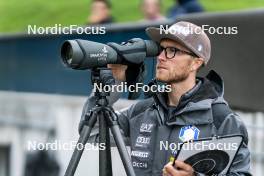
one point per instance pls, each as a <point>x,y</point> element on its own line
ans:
<point>156,107</point>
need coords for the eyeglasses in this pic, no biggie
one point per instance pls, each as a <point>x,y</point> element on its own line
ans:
<point>170,52</point>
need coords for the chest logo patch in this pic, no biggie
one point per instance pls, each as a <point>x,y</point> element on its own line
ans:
<point>188,133</point>
<point>146,127</point>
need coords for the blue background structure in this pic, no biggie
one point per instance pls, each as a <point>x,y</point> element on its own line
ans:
<point>32,63</point>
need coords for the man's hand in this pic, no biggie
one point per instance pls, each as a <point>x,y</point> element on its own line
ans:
<point>180,169</point>
<point>119,71</point>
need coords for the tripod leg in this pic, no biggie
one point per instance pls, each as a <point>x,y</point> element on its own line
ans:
<point>120,144</point>
<point>105,161</point>
<point>84,136</point>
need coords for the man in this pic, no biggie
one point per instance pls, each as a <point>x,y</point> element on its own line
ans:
<point>100,12</point>
<point>183,7</point>
<point>151,9</point>
<point>194,104</point>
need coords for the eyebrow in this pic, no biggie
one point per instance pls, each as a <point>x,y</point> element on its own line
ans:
<point>175,47</point>
<point>168,46</point>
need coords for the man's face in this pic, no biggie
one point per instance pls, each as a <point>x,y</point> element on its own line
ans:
<point>100,8</point>
<point>150,8</point>
<point>177,68</point>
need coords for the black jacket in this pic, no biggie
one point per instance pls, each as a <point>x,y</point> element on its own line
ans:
<point>151,122</point>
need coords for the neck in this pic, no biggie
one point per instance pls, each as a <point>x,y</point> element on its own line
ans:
<point>180,88</point>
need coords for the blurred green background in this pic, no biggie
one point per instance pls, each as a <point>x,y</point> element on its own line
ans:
<point>15,15</point>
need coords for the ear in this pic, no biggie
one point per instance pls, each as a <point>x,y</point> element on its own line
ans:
<point>196,64</point>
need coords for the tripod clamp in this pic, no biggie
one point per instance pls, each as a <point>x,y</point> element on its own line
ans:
<point>90,121</point>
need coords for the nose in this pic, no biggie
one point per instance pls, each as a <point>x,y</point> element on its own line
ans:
<point>162,57</point>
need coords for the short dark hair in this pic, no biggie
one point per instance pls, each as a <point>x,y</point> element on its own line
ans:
<point>159,2</point>
<point>106,2</point>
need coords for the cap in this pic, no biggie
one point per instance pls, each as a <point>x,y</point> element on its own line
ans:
<point>188,34</point>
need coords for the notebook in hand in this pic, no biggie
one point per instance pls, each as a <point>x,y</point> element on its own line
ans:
<point>210,156</point>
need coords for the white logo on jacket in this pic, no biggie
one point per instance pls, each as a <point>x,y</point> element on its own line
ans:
<point>145,127</point>
<point>188,133</point>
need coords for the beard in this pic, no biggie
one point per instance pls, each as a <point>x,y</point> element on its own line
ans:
<point>169,78</point>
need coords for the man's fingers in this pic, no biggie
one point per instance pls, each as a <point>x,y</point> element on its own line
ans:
<point>183,166</point>
<point>117,66</point>
<point>170,170</point>
<point>119,71</point>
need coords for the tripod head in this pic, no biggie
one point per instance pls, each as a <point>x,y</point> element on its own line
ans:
<point>102,76</point>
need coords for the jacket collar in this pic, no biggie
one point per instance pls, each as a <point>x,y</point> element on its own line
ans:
<point>198,100</point>
<point>193,114</point>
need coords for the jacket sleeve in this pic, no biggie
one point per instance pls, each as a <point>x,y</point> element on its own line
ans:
<point>232,124</point>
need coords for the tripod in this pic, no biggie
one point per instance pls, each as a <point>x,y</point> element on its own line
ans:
<point>107,119</point>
